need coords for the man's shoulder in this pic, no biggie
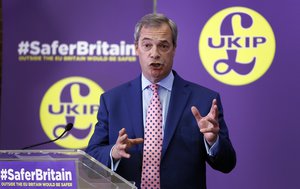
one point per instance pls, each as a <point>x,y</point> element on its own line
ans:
<point>123,87</point>
<point>198,87</point>
<point>195,87</point>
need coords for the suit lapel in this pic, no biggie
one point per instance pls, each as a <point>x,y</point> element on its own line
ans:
<point>179,96</point>
<point>134,104</point>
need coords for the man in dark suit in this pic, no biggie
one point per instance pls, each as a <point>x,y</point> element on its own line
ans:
<point>193,127</point>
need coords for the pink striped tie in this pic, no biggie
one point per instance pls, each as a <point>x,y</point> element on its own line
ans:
<point>152,143</point>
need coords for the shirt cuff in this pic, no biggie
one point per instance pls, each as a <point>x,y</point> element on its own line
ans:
<point>213,150</point>
<point>114,164</point>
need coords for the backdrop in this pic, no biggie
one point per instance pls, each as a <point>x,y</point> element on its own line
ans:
<point>262,115</point>
<point>59,57</point>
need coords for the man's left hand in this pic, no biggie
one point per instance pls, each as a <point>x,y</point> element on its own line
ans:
<point>209,124</point>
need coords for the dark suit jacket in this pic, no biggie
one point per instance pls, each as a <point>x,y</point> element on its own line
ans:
<point>183,152</point>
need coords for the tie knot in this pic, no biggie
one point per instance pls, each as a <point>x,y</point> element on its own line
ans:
<point>154,87</point>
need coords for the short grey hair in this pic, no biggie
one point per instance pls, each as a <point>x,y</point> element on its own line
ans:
<point>155,20</point>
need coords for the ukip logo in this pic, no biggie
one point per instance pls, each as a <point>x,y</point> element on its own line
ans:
<point>237,46</point>
<point>70,100</point>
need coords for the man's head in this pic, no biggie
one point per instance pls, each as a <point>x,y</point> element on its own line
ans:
<point>155,20</point>
<point>155,41</point>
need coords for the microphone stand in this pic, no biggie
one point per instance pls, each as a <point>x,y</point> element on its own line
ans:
<point>68,127</point>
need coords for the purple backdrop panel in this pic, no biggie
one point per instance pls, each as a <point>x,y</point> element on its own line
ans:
<point>58,57</point>
<point>261,115</point>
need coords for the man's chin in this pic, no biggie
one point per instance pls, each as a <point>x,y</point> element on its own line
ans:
<point>157,75</point>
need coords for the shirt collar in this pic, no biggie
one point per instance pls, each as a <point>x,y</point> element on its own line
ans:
<point>166,83</point>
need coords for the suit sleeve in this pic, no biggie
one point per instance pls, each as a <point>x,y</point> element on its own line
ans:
<point>99,146</point>
<point>225,159</point>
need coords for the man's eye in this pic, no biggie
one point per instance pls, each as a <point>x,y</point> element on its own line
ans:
<point>164,47</point>
<point>147,46</point>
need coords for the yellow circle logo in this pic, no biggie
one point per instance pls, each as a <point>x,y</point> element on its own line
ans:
<point>71,100</point>
<point>237,46</point>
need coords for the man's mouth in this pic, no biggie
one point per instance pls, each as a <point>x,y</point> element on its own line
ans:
<point>156,65</point>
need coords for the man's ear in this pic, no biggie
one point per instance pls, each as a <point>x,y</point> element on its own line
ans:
<point>136,49</point>
<point>174,51</point>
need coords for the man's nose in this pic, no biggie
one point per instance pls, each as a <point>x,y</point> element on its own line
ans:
<point>154,53</point>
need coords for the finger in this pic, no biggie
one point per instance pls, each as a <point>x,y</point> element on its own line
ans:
<point>209,125</point>
<point>214,122</point>
<point>196,113</point>
<point>124,154</point>
<point>122,139</point>
<point>122,132</point>
<point>216,112</point>
<point>208,122</point>
<point>118,152</point>
<point>136,141</point>
<point>121,147</point>
<point>214,108</point>
<point>213,104</point>
<point>210,130</point>
<point>132,142</point>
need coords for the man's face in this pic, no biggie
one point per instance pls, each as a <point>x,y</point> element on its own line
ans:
<point>156,52</point>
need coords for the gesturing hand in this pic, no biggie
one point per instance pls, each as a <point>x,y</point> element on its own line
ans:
<point>209,124</point>
<point>123,143</point>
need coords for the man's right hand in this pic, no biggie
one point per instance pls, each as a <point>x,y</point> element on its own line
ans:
<point>123,143</point>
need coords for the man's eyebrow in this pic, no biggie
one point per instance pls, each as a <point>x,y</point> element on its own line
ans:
<point>149,39</point>
<point>146,38</point>
<point>164,41</point>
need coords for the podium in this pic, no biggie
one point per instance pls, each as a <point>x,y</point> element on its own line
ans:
<point>64,169</point>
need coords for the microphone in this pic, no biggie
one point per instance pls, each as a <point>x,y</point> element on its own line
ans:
<point>68,127</point>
